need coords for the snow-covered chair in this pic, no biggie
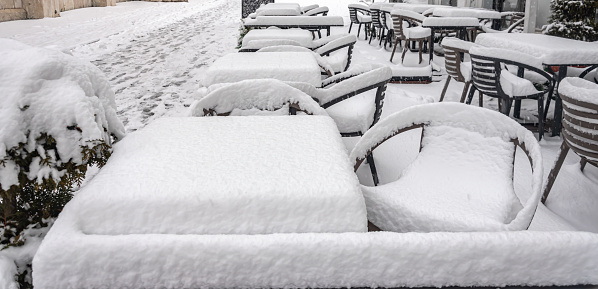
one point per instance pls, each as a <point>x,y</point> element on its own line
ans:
<point>346,99</point>
<point>580,125</point>
<point>307,8</point>
<point>378,28</point>
<point>331,52</point>
<point>491,77</point>
<point>255,96</point>
<point>360,14</point>
<point>412,33</point>
<point>315,12</point>
<point>454,52</point>
<point>462,178</point>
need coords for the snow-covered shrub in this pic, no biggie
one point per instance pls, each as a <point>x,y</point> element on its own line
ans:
<point>57,116</point>
<point>574,19</point>
<point>242,32</point>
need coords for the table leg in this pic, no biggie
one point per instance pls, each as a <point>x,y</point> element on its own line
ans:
<point>558,104</point>
<point>431,44</point>
<point>328,31</point>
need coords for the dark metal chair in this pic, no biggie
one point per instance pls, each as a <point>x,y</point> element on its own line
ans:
<point>315,12</point>
<point>412,33</point>
<point>490,77</point>
<point>454,52</point>
<point>580,126</point>
<point>378,28</point>
<point>360,14</point>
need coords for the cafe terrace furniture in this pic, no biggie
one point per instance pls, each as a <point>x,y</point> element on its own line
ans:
<point>255,96</point>
<point>413,33</point>
<point>360,15</point>
<point>354,99</point>
<point>454,56</point>
<point>378,22</point>
<point>332,56</point>
<point>469,152</point>
<point>286,66</point>
<point>320,11</point>
<point>490,76</point>
<point>553,51</point>
<point>459,24</point>
<point>580,125</point>
<point>307,8</point>
<point>303,22</point>
<point>265,37</point>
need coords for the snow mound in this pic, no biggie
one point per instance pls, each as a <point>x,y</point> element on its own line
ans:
<point>47,91</point>
<point>579,89</point>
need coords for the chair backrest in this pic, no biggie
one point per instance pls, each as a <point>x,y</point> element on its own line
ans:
<point>254,96</point>
<point>478,120</point>
<point>309,7</point>
<point>487,64</point>
<point>317,11</point>
<point>348,41</point>
<point>357,8</point>
<point>454,51</point>
<point>377,16</point>
<point>580,117</point>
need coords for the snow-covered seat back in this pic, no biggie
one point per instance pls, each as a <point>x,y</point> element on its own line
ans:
<point>317,11</point>
<point>462,179</point>
<point>580,125</point>
<point>255,96</point>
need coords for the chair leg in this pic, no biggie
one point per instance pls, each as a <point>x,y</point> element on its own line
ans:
<point>480,99</point>
<point>370,160</point>
<point>464,93</point>
<point>470,95</point>
<point>319,34</point>
<point>359,30</point>
<point>382,36</point>
<point>350,26</point>
<point>550,93</point>
<point>394,49</point>
<point>403,54</point>
<point>555,170</point>
<point>517,109</point>
<point>371,36</point>
<point>583,162</point>
<point>446,84</point>
<point>540,117</point>
<point>421,44</point>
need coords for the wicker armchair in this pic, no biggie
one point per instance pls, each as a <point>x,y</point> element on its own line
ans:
<point>456,183</point>
<point>413,33</point>
<point>378,28</point>
<point>490,77</point>
<point>315,12</point>
<point>360,14</point>
<point>580,125</point>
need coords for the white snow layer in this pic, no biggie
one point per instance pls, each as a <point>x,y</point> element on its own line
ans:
<point>450,22</point>
<point>579,89</point>
<point>491,126</point>
<point>46,91</point>
<point>224,175</point>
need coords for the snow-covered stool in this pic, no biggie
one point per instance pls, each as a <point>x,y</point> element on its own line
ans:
<point>580,125</point>
<point>303,22</point>
<point>462,179</point>
<point>286,66</point>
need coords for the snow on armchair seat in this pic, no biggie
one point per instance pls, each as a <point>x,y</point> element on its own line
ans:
<point>224,175</point>
<point>462,179</point>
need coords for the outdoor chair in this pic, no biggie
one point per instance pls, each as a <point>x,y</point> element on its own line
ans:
<point>580,125</point>
<point>491,77</point>
<point>412,33</point>
<point>331,53</point>
<point>462,177</point>
<point>350,100</point>
<point>315,12</point>
<point>255,96</point>
<point>360,14</point>
<point>307,8</point>
<point>378,28</point>
<point>513,27</point>
<point>454,53</point>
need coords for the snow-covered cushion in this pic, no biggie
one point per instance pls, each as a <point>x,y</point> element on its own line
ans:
<point>417,32</point>
<point>472,188</point>
<point>354,114</point>
<point>338,60</point>
<point>513,85</point>
<point>364,18</point>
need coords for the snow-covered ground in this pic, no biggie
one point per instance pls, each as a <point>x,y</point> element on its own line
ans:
<point>155,55</point>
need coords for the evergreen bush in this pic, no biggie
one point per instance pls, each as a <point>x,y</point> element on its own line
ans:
<point>574,19</point>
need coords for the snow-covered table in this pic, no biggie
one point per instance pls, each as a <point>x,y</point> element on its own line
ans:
<point>303,22</point>
<point>279,9</point>
<point>459,24</point>
<point>467,12</point>
<point>303,37</point>
<point>285,66</point>
<point>553,51</point>
<point>225,175</point>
